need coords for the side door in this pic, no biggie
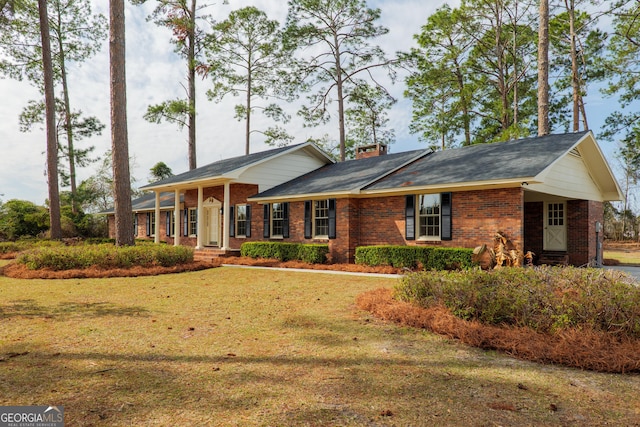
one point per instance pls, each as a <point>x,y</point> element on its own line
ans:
<point>555,226</point>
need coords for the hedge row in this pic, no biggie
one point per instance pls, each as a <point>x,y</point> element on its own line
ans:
<point>313,254</point>
<point>546,299</point>
<point>426,257</point>
<point>105,256</point>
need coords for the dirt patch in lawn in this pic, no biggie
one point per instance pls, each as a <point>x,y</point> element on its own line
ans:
<point>582,349</point>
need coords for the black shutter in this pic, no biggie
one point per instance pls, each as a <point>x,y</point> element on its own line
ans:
<point>185,224</point>
<point>410,217</point>
<point>232,223</point>
<point>135,225</point>
<point>285,220</point>
<point>168,223</point>
<point>308,229</point>
<point>265,221</point>
<point>248,232</point>
<point>332,218</point>
<point>445,217</point>
<point>148,224</point>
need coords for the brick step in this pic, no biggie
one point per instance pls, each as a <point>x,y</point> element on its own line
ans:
<point>554,258</point>
<point>211,254</point>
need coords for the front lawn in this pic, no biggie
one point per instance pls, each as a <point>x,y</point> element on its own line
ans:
<point>229,346</point>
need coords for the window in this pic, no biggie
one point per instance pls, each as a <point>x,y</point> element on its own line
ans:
<point>171,224</point>
<point>135,225</point>
<point>241,220</point>
<point>429,216</point>
<point>321,218</point>
<point>193,222</point>
<point>277,220</point>
<point>151,224</point>
<point>555,214</point>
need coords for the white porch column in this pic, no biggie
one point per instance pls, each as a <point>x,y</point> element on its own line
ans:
<point>156,229</point>
<point>200,218</point>
<point>176,219</point>
<point>226,214</point>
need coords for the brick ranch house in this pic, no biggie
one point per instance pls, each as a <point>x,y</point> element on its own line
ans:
<point>545,193</point>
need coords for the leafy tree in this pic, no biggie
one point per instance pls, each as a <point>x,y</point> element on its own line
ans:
<point>576,46</point>
<point>622,66</point>
<point>76,35</point>
<point>439,84</point>
<point>20,218</point>
<point>182,18</point>
<point>160,171</point>
<point>338,36</point>
<point>367,117</point>
<point>81,127</point>
<point>501,66</point>
<point>245,56</point>
<point>119,136</point>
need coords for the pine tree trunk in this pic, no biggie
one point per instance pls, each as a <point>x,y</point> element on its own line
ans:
<point>192,86</point>
<point>119,142</point>
<point>52,143</point>
<point>543,69</point>
<point>575,84</point>
<point>69,130</point>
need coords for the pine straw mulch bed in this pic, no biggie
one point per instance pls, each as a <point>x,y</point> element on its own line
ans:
<point>596,351</point>
<point>20,271</point>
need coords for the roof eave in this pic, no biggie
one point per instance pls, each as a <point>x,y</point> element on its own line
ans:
<point>457,186</point>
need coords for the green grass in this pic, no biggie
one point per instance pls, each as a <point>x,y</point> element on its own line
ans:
<point>624,257</point>
<point>232,346</point>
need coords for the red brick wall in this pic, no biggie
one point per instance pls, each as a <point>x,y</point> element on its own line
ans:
<point>582,216</point>
<point>476,216</point>
<point>534,227</point>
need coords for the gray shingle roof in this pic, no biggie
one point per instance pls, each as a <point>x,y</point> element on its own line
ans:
<point>484,162</point>
<point>221,167</point>
<point>343,176</point>
<point>147,202</point>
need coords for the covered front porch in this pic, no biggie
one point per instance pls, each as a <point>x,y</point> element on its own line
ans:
<point>563,231</point>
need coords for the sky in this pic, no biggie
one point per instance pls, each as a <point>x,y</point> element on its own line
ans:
<point>155,74</point>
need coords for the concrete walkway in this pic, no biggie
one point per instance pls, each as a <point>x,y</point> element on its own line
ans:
<point>304,270</point>
<point>630,270</point>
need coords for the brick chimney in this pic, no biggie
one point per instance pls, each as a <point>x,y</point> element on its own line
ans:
<point>372,150</point>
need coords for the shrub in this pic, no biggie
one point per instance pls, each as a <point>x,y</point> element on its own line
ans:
<point>429,257</point>
<point>105,256</point>
<point>316,254</point>
<point>546,299</point>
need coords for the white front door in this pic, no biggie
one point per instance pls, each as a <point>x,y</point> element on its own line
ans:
<point>212,223</point>
<point>555,226</point>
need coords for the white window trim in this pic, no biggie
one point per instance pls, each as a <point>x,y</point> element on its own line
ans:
<point>425,238</point>
<point>152,219</point>
<point>189,229</point>
<point>271,219</point>
<point>313,221</point>
<point>237,211</point>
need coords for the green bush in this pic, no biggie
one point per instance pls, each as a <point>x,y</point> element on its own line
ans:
<point>315,254</point>
<point>546,299</point>
<point>429,257</point>
<point>105,256</point>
